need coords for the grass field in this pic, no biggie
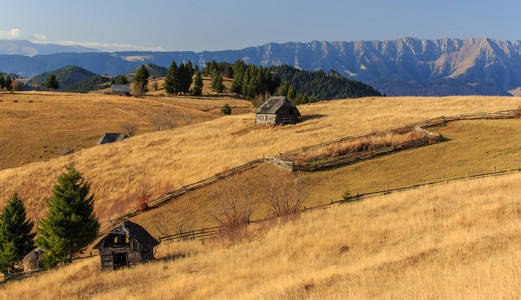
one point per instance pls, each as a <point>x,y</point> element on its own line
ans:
<point>459,240</point>
<point>190,153</point>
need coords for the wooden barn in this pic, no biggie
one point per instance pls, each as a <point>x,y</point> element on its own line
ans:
<point>127,245</point>
<point>120,89</point>
<point>277,111</point>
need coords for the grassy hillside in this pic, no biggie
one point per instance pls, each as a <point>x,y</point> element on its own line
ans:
<point>457,240</point>
<point>185,155</point>
<point>42,126</point>
<point>65,76</point>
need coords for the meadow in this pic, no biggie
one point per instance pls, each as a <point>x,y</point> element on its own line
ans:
<point>458,240</point>
<point>170,159</point>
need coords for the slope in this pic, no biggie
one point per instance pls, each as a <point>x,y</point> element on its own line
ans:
<point>188,154</point>
<point>65,76</point>
<point>458,240</point>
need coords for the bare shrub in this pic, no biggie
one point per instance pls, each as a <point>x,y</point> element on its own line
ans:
<point>143,194</point>
<point>162,120</point>
<point>283,193</point>
<point>130,128</point>
<point>234,207</point>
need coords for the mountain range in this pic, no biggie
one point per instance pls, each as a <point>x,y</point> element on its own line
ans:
<point>405,66</point>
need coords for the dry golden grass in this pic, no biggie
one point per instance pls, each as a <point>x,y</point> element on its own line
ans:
<point>41,126</point>
<point>188,154</point>
<point>459,240</point>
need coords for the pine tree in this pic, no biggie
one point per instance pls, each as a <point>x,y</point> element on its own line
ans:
<point>217,83</point>
<point>198,84</point>
<point>52,83</point>
<point>141,80</point>
<point>170,84</point>
<point>2,81</point>
<point>71,224</point>
<point>226,109</point>
<point>8,82</point>
<point>16,239</point>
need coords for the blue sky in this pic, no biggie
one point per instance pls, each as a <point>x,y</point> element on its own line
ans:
<point>198,25</point>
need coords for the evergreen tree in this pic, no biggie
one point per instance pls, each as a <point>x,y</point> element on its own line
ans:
<point>16,239</point>
<point>171,81</point>
<point>52,83</point>
<point>120,79</point>
<point>185,78</point>
<point>226,109</point>
<point>217,83</point>
<point>141,80</point>
<point>71,224</point>
<point>2,81</point>
<point>8,82</point>
<point>198,83</point>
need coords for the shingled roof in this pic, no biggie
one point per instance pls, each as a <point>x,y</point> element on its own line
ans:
<point>122,88</point>
<point>132,230</point>
<point>108,138</point>
<point>273,104</point>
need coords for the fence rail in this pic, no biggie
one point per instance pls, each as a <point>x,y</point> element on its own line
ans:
<point>205,233</point>
<point>279,160</point>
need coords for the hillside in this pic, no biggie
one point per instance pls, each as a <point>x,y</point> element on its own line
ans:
<point>22,47</point>
<point>457,240</point>
<point>66,76</point>
<point>190,153</point>
<point>475,61</point>
<point>51,124</point>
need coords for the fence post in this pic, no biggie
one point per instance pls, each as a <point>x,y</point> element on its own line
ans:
<point>443,178</point>
<point>468,173</point>
<point>414,182</point>
<point>494,170</point>
<point>387,187</point>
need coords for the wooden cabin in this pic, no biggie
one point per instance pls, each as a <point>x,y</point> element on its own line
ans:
<point>127,245</point>
<point>120,89</point>
<point>277,111</point>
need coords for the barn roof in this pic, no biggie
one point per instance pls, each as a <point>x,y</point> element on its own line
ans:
<point>273,104</point>
<point>132,230</point>
<point>122,88</point>
<point>108,138</point>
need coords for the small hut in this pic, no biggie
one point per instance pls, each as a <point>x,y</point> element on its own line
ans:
<point>120,89</point>
<point>126,245</point>
<point>108,138</point>
<point>32,260</point>
<point>277,111</point>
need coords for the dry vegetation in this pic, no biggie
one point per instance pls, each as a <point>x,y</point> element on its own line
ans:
<point>459,240</point>
<point>42,126</point>
<point>187,154</point>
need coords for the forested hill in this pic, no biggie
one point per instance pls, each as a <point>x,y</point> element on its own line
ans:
<point>323,86</point>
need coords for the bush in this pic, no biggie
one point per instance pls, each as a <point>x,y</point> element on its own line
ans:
<point>226,109</point>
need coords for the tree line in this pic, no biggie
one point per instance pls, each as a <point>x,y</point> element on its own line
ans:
<point>8,84</point>
<point>69,227</point>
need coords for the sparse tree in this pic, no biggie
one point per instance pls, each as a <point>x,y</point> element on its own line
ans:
<point>171,80</point>
<point>130,128</point>
<point>198,84</point>
<point>71,223</point>
<point>16,238</point>
<point>14,86</point>
<point>143,194</point>
<point>52,83</point>
<point>284,194</point>
<point>217,83</point>
<point>141,80</point>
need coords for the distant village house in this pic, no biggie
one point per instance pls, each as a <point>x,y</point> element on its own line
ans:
<point>277,111</point>
<point>127,245</point>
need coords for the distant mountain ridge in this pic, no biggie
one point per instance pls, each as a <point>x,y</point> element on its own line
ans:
<point>27,48</point>
<point>477,65</point>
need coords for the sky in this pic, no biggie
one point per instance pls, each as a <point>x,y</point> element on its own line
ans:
<point>198,25</point>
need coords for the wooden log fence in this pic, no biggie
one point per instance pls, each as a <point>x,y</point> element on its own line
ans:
<point>279,160</point>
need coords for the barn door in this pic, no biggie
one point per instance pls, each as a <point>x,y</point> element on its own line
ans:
<point>120,260</point>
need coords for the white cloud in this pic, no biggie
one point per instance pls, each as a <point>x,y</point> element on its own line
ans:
<point>110,47</point>
<point>12,34</point>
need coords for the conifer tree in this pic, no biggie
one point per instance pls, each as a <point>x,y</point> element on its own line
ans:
<point>171,81</point>
<point>8,82</point>
<point>2,81</point>
<point>198,83</point>
<point>141,80</point>
<point>71,224</point>
<point>52,83</point>
<point>16,239</point>
<point>217,83</point>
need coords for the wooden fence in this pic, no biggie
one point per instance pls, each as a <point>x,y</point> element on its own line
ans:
<point>281,162</point>
<point>205,233</point>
